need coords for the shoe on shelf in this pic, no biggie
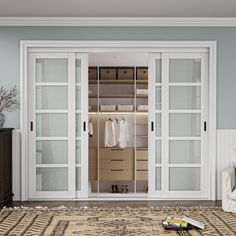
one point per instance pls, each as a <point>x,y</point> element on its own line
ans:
<point>116,189</point>
<point>113,189</point>
<point>126,189</point>
<point>122,189</point>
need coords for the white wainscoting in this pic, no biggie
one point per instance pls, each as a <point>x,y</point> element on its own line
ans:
<point>16,164</point>
<point>226,154</point>
<point>226,145</point>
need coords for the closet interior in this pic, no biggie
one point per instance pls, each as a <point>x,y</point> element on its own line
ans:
<point>118,123</point>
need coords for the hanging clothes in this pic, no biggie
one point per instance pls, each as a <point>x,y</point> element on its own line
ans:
<point>116,129</point>
<point>124,133</point>
<point>91,129</point>
<point>109,137</point>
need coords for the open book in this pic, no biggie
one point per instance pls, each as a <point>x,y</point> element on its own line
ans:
<point>181,223</point>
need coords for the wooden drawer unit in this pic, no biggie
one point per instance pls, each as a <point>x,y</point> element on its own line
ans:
<point>142,73</point>
<point>142,154</point>
<point>92,164</point>
<point>116,164</point>
<point>125,73</point>
<point>141,175</point>
<point>93,73</point>
<point>141,165</point>
<point>108,73</point>
<point>116,175</point>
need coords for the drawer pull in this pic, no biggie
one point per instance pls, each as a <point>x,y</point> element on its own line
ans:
<point>117,149</point>
<point>141,160</point>
<point>117,160</point>
<point>117,170</point>
<point>141,170</point>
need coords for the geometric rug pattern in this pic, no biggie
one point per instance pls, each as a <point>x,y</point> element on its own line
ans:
<point>111,221</point>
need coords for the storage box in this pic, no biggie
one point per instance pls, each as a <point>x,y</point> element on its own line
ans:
<point>93,73</point>
<point>108,73</point>
<point>125,107</point>
<point>126,73</point>
<point>142,73</point>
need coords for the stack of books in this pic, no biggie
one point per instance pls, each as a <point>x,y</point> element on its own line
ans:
<point>181,223</point>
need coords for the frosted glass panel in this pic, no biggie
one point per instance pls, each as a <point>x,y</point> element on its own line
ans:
<point>158,70</point>
<point>158,152</point>
<point>78,71</point>
<point>53,97</point>
<point>185,97</point>
<point>78,125</point>
<point>78,178</point>
<point>52,179</point>
<point>51,125</point>
<point>78,97</point>
<point>185,70</point>
<point>51,152</point>
<point>78,152</point>
<point>185,125</point>
<point>158,125</point>
<point>185,179</point>
<point>185,152</point>
<point>51,70</point>
<point>158,97</point>
<point>158,178</point>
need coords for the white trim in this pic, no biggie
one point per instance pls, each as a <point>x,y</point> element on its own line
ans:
<point>120,46</point>
<point>120,21</point>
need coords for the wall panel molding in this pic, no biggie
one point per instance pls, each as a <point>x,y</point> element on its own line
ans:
<point>226,145</point>
<point>120,21</point>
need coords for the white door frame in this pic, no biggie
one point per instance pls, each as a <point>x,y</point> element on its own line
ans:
<point>116,46</point>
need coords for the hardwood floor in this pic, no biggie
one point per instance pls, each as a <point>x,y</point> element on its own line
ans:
<point>108,204</point>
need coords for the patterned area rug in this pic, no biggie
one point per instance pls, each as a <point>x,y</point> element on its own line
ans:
<point>110,221</point>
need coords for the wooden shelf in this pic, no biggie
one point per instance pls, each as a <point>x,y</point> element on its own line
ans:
<point>118,81</point>
<point>118,96</point>
<point>117,111</point>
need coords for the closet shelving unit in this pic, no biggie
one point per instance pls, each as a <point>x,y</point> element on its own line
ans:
<point>140,158</point>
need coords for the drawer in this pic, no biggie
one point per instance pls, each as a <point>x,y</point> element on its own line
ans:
<point>115,164</point>
<point>125,73</point>
<point>118,174</point>
<point>141,165</point>
<point>142,73</point>
<point>116,153</point>
<point>93,73</point>
<point>142,155</point>
<point>141,175</point>
<point>92,174</point>
<point>108,73</point>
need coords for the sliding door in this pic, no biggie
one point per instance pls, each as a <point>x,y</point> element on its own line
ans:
<point>179,125</point>
<point>55,150</point>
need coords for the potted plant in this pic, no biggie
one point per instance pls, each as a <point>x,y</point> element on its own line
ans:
<point>8,102</point>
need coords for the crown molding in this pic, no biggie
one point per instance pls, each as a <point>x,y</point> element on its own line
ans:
<point>120,21</point>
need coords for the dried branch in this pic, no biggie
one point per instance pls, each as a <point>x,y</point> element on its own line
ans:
<point>9,99</point>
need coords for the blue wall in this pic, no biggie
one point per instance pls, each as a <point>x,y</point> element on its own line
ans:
<point>226,39</point>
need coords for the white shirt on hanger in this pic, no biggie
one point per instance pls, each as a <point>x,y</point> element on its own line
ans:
<point>124,133</point>
<point>109,137</point>
<point>116,129</point>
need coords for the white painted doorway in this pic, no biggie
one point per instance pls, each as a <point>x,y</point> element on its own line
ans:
<point>170,54</point>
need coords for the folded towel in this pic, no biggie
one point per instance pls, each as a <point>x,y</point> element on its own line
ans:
<point>142,107</point>
<point>108,107</point>
<point>142,91</point>
<point>125,107</point>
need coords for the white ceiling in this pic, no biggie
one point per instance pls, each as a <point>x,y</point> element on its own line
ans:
<point>117,8</point>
